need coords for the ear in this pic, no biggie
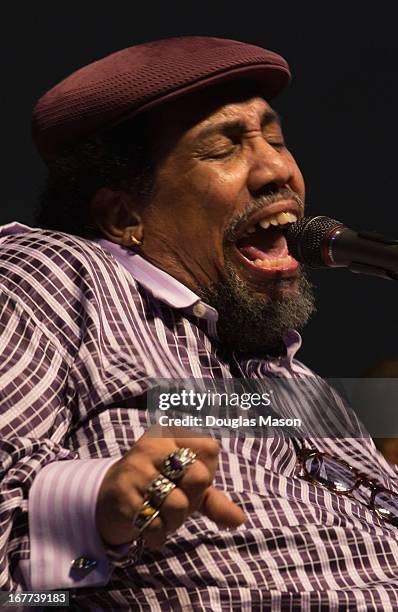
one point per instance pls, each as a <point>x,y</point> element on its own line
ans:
<point>114,215</point>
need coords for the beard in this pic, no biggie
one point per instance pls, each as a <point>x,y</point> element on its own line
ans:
<point>255,324</point>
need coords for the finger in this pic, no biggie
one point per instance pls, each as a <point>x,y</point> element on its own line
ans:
<point>207,450</point>
<point>155,534</point>
<point>216,505</point>
<point>195,483</point>
<point>151,447</point>
<point>175,509</point>
<point>149,456</point>
<point>220,509</point>
<point>173,513</point>
<point>206,446</point>
<point>159,442</point>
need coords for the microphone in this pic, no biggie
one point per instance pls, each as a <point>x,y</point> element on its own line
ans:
<point>320,242</point>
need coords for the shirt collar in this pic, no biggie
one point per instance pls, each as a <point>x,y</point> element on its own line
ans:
<point>162,286</point>
<point>15,228</point>
<point>292,341</point>
<point>159,283</point>
<point>173,293</point>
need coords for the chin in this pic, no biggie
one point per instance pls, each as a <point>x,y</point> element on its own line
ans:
<point>253,316</point>
<point>278,285</point>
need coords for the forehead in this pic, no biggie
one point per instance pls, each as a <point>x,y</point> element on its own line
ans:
<point>195,112</point>
<point>248,111</point>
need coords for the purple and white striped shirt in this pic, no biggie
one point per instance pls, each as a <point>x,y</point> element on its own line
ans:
<point>85,329</point>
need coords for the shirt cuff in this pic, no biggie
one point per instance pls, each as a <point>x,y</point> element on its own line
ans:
<point>62,527</point>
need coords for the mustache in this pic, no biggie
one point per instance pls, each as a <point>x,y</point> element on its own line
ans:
<point>230,234</point>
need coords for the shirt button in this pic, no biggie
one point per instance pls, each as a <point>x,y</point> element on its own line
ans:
<point>83,565</point>
<point>199,310</point>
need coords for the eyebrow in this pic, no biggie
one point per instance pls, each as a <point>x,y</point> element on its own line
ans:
<point>268,117</point>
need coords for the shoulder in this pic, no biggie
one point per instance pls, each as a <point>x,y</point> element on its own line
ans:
<point>47,244</point>
<point>40,255</point>
<point>49,271</point>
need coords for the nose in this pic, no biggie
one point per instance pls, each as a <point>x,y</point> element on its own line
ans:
<point>269,168</point>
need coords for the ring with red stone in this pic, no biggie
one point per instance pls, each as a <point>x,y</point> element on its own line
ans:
<point>144,517</point>
<point>176,464</point>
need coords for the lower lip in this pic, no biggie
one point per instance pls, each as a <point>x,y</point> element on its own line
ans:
<point>286,271</point>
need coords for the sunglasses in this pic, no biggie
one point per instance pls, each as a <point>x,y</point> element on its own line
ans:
<point>336,475</point>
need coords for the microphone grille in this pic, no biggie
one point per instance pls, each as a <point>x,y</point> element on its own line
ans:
<point>305,239</point>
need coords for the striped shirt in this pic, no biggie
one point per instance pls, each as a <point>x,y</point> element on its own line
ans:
<point>85,330</point>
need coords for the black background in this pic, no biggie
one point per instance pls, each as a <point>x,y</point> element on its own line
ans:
<point>339,117</point>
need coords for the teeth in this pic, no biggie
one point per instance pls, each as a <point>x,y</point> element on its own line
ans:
<point>280,219</point>
<point>250,230</point>
<point>283,218</point>
<point>273,263</point>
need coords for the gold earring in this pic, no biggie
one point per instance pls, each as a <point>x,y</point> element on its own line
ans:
<point>134,241</point>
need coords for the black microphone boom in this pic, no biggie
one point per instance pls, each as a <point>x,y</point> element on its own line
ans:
<point>320,242</point>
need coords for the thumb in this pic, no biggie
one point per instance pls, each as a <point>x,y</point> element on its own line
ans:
<point>220,509</point>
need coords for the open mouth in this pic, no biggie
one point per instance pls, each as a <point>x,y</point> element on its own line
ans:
<point>262,245</point>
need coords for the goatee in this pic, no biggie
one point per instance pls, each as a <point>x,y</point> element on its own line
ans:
<point>252,323</point>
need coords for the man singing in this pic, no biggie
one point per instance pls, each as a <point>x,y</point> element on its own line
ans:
<point>161,254</point>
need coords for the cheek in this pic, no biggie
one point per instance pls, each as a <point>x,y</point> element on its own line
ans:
<point>220,193</point>
<point>299,185</point>
<point>211,200</point>
<point>297,180</point>
<point>203,199</point>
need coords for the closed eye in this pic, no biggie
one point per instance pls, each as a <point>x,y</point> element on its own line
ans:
<point>277,145</point>
<point>222,154</point>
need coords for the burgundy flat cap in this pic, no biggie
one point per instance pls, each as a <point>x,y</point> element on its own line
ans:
<point>128,82</point>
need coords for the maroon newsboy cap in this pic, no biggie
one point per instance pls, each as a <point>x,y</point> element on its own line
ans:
<point>128,82</point>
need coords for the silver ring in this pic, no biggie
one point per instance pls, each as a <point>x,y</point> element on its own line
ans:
<point>144,517</point>
<point>176,464</point>
<point>159,489</point>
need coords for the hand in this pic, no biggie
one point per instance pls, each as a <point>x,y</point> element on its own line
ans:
<point>124,488</point>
